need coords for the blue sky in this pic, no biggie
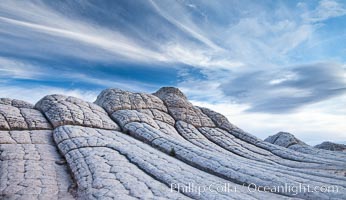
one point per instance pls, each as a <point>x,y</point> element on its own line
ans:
<point>269,66</point>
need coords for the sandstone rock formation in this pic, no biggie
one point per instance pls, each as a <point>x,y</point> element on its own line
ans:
<point>151,146</point>
<point>29,155</point>
<point>331,146</point>
<point>285,139</point>
<point>288,140</point>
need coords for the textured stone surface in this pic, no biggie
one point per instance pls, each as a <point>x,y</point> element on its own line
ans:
<point>28,168</point>
<point>181,109</point>
<point>243,163</point>
<point>123,164</point>
<point>288,140</point>
<point>125,107</point>
<point>20,115</point>
<point>115,99</point>
<point>64,110</point>
<point>337,161</point>
<point>331,146</point>
<point>151,146</point>
<point>284,139</point>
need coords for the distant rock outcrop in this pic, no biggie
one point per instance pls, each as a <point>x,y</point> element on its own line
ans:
<point>288,140</point>
<point>331,146</point>
<point>284,139</point>
<point>130,145</point>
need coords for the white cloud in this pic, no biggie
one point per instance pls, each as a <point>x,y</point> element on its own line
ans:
<point>17,69</point>
<point>205,58</point>
<point>135,86</point>
<point>325,10</point>
<point>262,39</point>
<point>245,38</point>
<point>34,94</point>
<point>313,124</point>
<point>194,32</point>
<point>14,69</point>
<point>84,40</point>
<point>116,44</point>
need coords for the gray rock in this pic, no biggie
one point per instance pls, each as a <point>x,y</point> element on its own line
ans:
<point>288,140</point>
<point>106,161</point>
<point>115,99</point>
<point>181,109</point>
<point>64,110</point>
<point>135,169</point>
<point>130,145</point>
<point>295,156</point>
<point>28,169</point>
<point>20,115</point>
<point>284,139</point>
<point>331,146</point>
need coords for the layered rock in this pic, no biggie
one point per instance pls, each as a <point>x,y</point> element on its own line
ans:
<point>132,169</point>
<point>284,139</point>
<point>191,146</point>
<point>151,146</point>
<point>20,115</point>
<point>181,109</point>
<point>64,110</point>
<point>331,146</point>
<point>29,156</point>
<point>288,140</point>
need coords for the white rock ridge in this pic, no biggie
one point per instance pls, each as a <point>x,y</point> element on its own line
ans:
<point>151,146</point>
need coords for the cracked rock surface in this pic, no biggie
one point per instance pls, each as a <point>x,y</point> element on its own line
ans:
<point>129,145</point>
<point>28,168</point>
<point>20,115</point>
<point>64,110</point>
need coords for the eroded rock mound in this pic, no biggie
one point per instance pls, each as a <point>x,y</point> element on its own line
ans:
<point>331,146</point>
<point>28,156</point>
<point>288,140</point>
<point>20,115</point>
<point>284,139</point>
<point>181,109</point>
<point>64,110</point>
<point>130,145</point>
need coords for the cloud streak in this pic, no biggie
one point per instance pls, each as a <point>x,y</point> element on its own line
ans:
<point>284,91</point>
<point>186,28</point>
<point>120,46</point>
<point>263,59</point>
<point>325,10</point>
<point>117,45</point>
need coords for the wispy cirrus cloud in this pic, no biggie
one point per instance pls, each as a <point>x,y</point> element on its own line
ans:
<point>10,68</point>
<point>189,27</point>
<point>186,35</point>
<point>67,33</point>
<point>263,59</point>
<point>114,42</point>
<point>286,90</point>
<point>21,70</point>
<point>326,9</point>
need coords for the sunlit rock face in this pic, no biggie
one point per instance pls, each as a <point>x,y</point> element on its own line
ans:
<point>130,145</point>
<point>29,155</point>
<point>20,115</point>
